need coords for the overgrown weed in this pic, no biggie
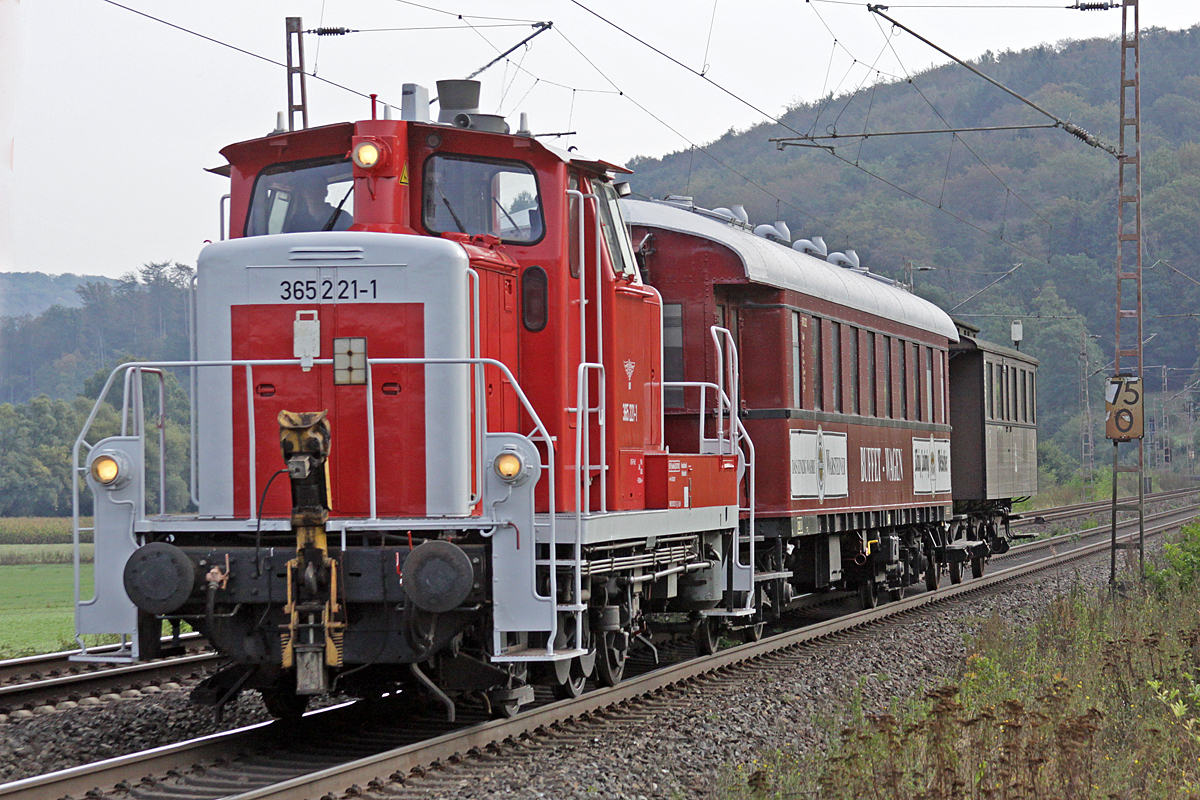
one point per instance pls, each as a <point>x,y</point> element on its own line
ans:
<point>1099,698</point>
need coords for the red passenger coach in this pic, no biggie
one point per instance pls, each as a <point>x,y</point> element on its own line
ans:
<point>843,390</point>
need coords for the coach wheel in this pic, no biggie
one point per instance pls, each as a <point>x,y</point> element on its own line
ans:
<point>868,593</point>
<point>933,574</point>
<point>956,571</point>
<point>762,602</point>
<point>612,650</point>
<point>977,567</point>
<point>708,636</point>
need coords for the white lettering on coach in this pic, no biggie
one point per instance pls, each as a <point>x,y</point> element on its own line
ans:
<point>629,412</point>
<point>878,464</point>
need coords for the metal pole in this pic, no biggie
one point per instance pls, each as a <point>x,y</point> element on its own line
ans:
<point>295,28</point>
<point>1129,265</point>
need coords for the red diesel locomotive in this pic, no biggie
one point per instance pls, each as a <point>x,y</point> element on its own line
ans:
<point>453,430</point>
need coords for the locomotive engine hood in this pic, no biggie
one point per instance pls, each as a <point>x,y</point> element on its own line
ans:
<point>337,298</point>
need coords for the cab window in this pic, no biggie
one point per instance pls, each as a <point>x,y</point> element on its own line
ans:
<point>300,196</point>
<point>616,235</point>
<point>482,196</point>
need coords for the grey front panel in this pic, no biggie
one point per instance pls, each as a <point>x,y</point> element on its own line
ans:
<point>405,269</point>
<point>1011,460</point>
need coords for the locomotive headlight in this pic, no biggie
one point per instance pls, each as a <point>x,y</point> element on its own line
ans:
<point>509,466</point>
<point>109,470</point>
<point>368,155</point>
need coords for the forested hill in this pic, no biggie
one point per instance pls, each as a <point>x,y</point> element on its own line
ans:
<point>974,205</point>
<point>143,315</point>
<point>31,293</point>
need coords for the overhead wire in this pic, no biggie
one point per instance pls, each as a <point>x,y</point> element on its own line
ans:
<point>241,50</point>
<point>694,147</point>
<point>783,124</point>
<point>946,122</point>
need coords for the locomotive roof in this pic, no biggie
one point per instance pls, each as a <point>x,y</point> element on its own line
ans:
<point>773,264</point>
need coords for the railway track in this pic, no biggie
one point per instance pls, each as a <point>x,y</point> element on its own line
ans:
<point>41,683</point>
<point>333,750</point>
<point>1048,515</point>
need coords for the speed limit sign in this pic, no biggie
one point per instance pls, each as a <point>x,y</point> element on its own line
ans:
<point>1123,403</point>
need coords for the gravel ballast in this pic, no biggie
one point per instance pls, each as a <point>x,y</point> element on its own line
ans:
<point>666,749</point>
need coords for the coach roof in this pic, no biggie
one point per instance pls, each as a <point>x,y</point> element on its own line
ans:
<point>774,264</point>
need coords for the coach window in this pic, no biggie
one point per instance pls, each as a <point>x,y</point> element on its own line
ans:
<point>1033,397</point>
<point>835,364</point>
<point>991,397</point>
<point>818,366</point>
<point>673,353</point>
<point>1006,412</point>
<point>797,363</point>
<point>869,341</point>
<point>901,349</point>
<point>1012,379</point>
<point>918,384</point>
<point>929,384</point>
<point>887,376</point>
<point>852,361</point>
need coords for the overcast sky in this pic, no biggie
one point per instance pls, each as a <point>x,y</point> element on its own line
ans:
<point>107,118</point>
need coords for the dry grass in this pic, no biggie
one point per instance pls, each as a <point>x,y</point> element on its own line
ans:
<point>1098,700</point>
<point>40,530</point>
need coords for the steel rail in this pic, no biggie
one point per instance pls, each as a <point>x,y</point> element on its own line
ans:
<point>1079,509</point>
<point>61,660</point>
<point>402,760</point>
<point>336,780</point>
<point>48,690</point>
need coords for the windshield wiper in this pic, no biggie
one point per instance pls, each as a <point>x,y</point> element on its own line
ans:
<point>337,212</point>
<point>461,228</point>
<point>516,227</point>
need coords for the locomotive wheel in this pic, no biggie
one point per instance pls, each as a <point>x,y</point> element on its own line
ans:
<point>933,575</point>
<point>610,657</point>
<point>571,676</point>
<point>283,703</point>
<point>977,567</point>
<point>868,594</point>
<point>708,636</point>
<point>569,679</point>
<point>506,709</point>
<point>752,633</point>
<point>956,571</point>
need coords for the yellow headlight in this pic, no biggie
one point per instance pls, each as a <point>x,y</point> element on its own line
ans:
<point>508,465</point>
<point>367,155</point>
<point>106,470</point>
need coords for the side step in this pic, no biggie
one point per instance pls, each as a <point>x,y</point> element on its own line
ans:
<point>965,549</point>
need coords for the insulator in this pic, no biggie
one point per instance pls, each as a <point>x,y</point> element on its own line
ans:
<point>330,31</point>
<point>1102,6</point>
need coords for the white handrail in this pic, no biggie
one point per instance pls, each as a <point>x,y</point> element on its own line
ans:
<point>480,425</point>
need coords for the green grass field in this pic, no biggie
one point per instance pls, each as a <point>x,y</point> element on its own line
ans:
<point>36,608</point>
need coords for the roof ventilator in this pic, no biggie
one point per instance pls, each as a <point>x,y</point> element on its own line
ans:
<point>814,247</point>
<point>848,259</point>
<point>779,232</point>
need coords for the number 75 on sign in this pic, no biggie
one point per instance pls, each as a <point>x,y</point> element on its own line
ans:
<point>1123,403</point>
